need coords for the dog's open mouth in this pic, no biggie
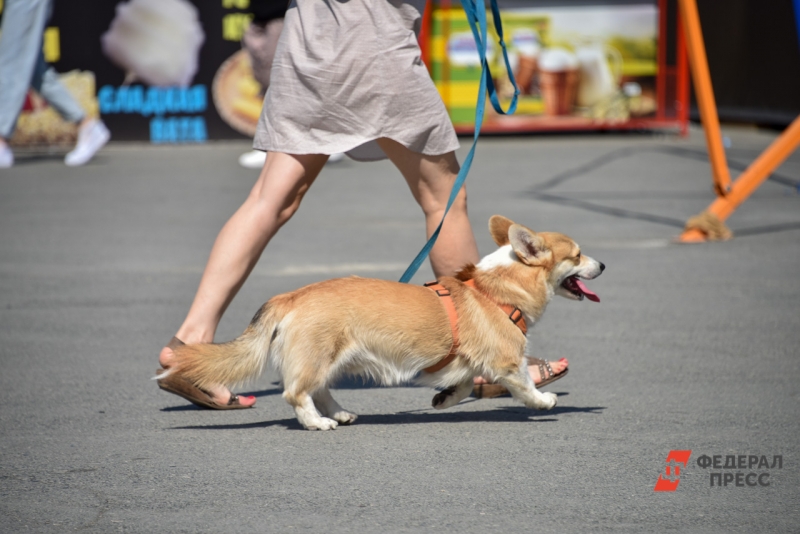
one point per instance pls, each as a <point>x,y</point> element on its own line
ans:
<point>574,285</point>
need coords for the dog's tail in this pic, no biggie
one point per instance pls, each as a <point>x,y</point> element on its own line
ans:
<point>231,363</point>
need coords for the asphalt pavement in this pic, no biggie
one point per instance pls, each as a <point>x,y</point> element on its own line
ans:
<point>692,348</point>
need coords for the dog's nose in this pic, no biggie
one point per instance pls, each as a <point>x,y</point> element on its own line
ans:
<point>602,266</point>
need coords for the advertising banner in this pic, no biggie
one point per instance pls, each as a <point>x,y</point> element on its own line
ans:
<point>580,66</point>
<point>163,71</point>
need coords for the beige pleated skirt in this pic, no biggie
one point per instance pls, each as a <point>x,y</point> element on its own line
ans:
<point>347,72</point>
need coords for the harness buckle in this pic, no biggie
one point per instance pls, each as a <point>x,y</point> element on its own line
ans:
<point>441,292</point>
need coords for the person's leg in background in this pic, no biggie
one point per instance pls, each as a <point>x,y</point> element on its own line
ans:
<point>431,178</point>
<point>92,133</point>
<point>22,65</point>
<point>20,43</point>
<point>277,194</point>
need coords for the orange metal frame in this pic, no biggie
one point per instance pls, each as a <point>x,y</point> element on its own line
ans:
<point>729,195</point>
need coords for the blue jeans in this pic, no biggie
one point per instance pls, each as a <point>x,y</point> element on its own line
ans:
<point>22,65</point>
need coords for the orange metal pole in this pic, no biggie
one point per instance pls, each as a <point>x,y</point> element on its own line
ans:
<point>682,74</point>
<point>705,96</point>
<point>751,178</point>
<point>661,61</point>
<point>425,36</point>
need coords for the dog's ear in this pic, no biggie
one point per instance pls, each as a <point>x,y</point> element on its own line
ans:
<point>498,227</point>
<point>528,246</point>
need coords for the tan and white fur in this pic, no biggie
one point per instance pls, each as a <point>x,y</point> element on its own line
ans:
<point>390,331</point>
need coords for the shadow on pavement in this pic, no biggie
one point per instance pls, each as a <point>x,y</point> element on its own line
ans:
<point>502,415</point>
<point>539,192</point>
<point>278,391</point>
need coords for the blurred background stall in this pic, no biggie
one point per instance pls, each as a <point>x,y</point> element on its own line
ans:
<point>175,72</point>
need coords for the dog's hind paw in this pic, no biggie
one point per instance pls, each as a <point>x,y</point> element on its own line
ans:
<point>440,399</point>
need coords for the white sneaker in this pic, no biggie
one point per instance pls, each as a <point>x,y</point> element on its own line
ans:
<point>253,160</point>
<point>91,138</point>
<point>6,157</point>
<point>333,158</point>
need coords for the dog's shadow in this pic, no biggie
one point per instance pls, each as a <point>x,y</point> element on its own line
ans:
<point>498,415</point>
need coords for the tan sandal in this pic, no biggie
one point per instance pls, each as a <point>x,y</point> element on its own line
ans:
<point>490,391</point>
<point>178,385</point>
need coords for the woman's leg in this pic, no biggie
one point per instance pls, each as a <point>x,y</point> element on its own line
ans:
<point>431,178</point>
<point>283,181</point>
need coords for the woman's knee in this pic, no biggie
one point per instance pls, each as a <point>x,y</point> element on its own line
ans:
<point>459,207</point>
<point>284,181</point>
<point>435,205</point>
<point>291,204</point>
<point>276,211</point>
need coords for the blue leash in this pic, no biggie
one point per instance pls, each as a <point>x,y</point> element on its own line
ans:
<point>477,23</point>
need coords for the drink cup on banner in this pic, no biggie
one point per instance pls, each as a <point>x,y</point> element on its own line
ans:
<point>527,47</point>
<point>558,80</point>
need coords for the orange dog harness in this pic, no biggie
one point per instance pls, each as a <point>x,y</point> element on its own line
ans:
<point>514,314</point>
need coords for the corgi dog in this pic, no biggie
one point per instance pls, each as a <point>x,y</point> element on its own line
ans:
<point>442,336</point>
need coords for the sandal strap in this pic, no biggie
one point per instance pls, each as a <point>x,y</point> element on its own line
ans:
<point>175,343</point>
<point>550,372</point>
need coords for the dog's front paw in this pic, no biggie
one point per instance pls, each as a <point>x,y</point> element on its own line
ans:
<point>550,400</point>
<point>322,423</point>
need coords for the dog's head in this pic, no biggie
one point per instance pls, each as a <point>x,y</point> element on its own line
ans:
<point>557,254</point>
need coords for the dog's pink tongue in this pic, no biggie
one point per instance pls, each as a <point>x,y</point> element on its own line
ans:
<point>589,295</point>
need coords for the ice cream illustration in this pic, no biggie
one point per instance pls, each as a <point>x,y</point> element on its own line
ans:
<point>155,41</point>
